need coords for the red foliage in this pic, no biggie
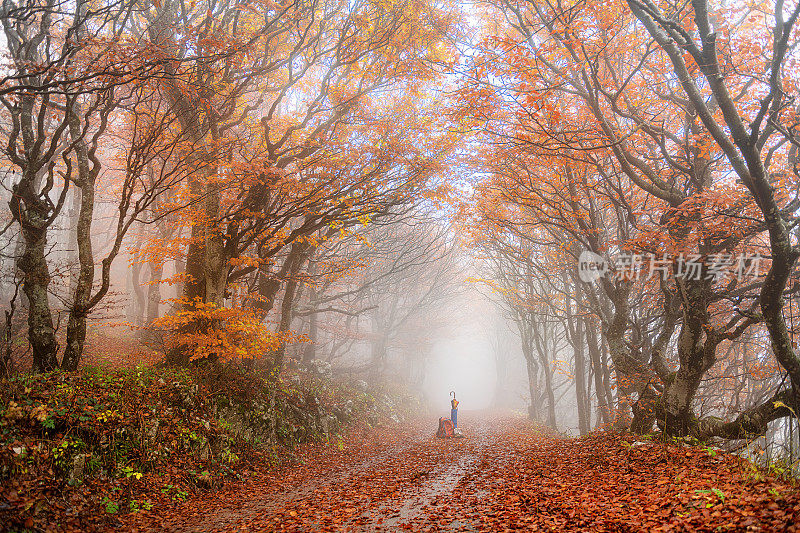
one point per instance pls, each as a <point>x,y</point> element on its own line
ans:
<point>506,475</point>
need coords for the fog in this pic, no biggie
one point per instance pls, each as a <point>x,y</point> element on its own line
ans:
<point>304,211</point>
<point>464,364</point>
<point>415,306</point>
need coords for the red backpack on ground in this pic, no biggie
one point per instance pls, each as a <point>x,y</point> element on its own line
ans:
<point>445,428</point>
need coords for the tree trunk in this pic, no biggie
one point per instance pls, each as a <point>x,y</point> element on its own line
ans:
<point>35,280</point>
<point>604,400</point>
<point>297,257</point>
<point>618,351</point>
<point>180,272</point>
<point>6,359</point>
<point>551,399</point>
<point>580,380</point>
<point>695,356</point>
<point>533,388</point>
<point>575,336</point>
<point>310,352</point>
<point>154,293</point>
<point>76,325</point>
<point>207,265</point>
<point>206,261</point>
<point>138,294</point>
<point>378,346</point>
<point>286,320</point>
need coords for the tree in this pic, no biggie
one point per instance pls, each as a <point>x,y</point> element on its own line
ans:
<point>57,103</point>
<point>323,152</point>
<point>395,274</point>
<point>752,123</point>
<point>585,87</point>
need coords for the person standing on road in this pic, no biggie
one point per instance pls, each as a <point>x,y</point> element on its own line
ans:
<point>454,409</point>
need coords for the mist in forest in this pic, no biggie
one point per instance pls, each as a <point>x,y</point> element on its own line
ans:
<point>233,232</point>
<point>465,365</point>
<point>399,215</point>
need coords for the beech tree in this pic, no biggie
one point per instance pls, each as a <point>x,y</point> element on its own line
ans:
<point>578,83</point>
<point>752,123</point>
<point>287,152</point>
<point>58,100</point>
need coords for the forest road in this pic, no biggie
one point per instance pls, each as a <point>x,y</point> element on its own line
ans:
<point>506,474</point>
<point>393,478</point>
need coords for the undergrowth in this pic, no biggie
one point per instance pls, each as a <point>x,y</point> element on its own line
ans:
<point>78,449</point>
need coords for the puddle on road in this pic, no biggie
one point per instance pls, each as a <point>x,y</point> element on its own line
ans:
<point>439,484</point>
<point>284,497</point>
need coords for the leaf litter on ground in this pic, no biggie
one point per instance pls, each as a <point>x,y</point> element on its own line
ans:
<point>508,474</point>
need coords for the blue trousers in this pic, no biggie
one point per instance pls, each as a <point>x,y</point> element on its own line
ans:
<point>454,417</point>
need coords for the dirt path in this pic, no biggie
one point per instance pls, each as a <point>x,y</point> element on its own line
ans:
<point>505,475</point>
